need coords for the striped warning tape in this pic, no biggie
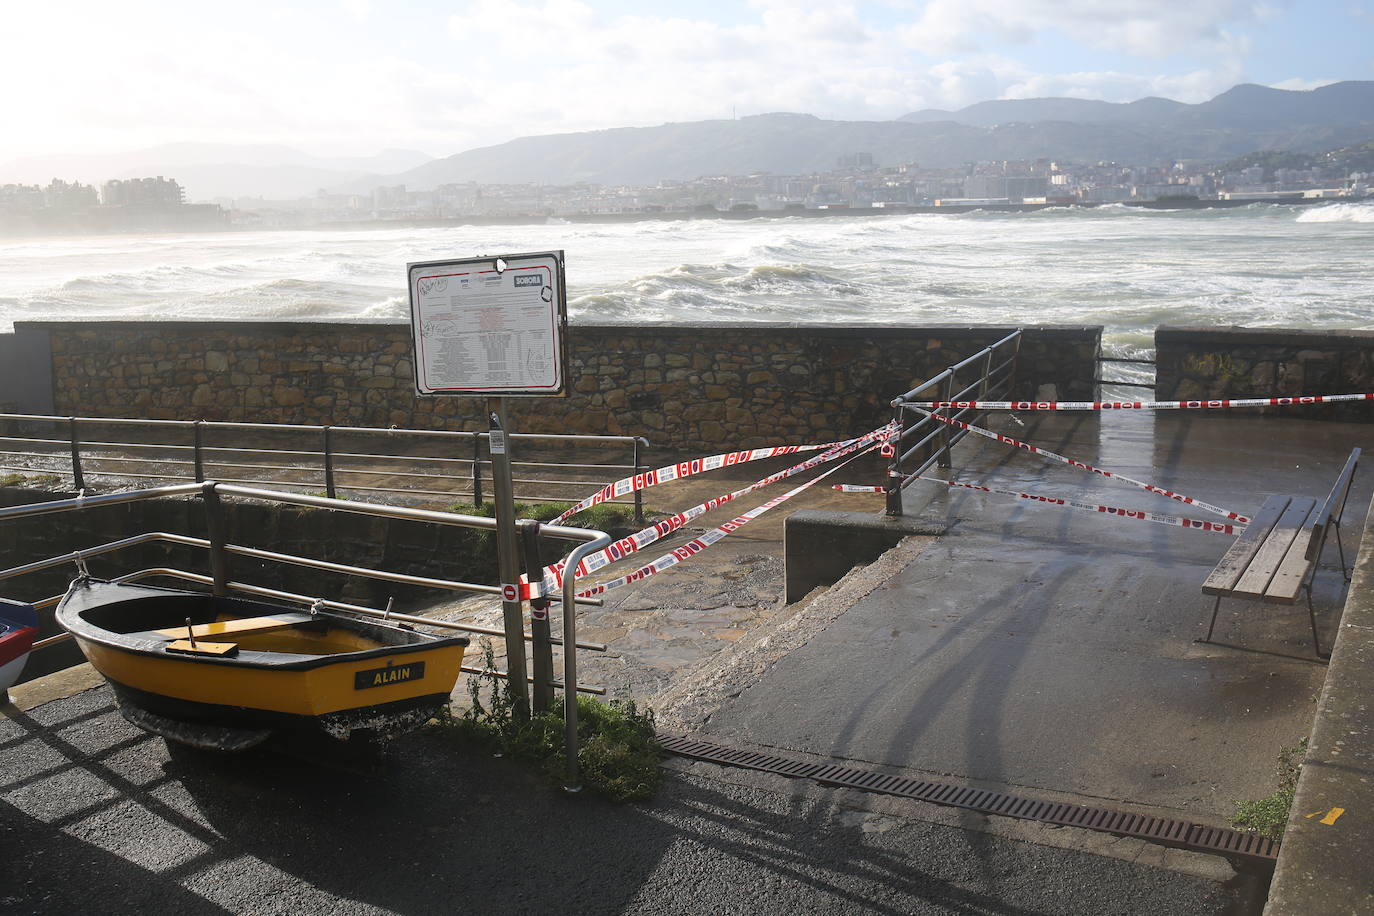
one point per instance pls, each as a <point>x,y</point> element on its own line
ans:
<point>1176,521</point>
<point>697,545</point>
<point>684,469</point>
<point>623,548</point>
<point>1082,466</point>
<point>855,488</point>
<point>1137,405</point>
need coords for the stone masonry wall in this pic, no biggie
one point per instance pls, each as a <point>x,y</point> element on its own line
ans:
<point>1217,363</point>
<point>681,386</point>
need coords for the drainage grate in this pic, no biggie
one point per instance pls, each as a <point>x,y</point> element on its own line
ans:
<point>1240,848</point>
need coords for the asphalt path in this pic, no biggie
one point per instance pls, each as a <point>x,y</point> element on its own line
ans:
<point>96,816</point>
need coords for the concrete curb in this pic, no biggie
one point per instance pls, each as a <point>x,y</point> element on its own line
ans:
<point>1324,865</point>
<point>820,548</point>
<point>56,686</point>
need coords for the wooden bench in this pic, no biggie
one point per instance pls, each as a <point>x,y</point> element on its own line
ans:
<point>1276,557</point>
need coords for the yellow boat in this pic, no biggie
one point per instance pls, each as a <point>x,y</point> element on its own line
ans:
<point>226,673</point>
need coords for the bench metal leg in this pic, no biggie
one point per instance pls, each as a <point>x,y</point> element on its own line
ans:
<point>1216,607</point>
<point>1341,548</point>
<point>1312,616</point>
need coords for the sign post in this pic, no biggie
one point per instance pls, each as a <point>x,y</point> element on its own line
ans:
<point>494,328</point>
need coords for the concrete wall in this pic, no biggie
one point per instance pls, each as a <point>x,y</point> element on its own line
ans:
<point>25,372</point>
<point>682,386</point>
<point>1324,864</point>
<point>1210,363</point>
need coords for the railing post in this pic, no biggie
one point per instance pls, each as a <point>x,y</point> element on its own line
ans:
<point>196,455</point>
<point>329,462</point>
<point>639,493</point>
<point>1015,364</point>
<point>947,430</point>
<point>508,552</point>
<point>78,482</point>
<point>539,618</point>
<point>477,470</point>
<point>902,418</point>
<point>214,532</point>
<point>986,384</point>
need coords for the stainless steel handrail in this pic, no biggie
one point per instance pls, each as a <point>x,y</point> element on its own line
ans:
<point>81,457</point>
<point>993,379</point>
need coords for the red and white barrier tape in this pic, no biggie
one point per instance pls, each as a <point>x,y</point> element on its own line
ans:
<point>697,545</point>
<point>856,488</point>
<point>1017,443</point>
<point>1140,405</point>
<point>553,574</point>
<point>683,469</point>
<point>1136,514</point>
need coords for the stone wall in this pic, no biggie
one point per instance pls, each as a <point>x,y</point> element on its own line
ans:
<point>681,386</point>
<point>1216,363</point>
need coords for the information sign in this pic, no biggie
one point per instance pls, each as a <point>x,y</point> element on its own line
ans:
<point>491,326</point>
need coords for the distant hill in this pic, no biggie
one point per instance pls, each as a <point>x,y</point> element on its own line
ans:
<point>209,170</point>
<point>1239,121</point>
<point>1246,106</point>
<point>786,144</point>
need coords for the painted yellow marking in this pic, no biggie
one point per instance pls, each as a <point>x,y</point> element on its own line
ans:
<point>1331,816</point>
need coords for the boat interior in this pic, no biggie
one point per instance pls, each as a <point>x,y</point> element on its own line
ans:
<point>200,624</point>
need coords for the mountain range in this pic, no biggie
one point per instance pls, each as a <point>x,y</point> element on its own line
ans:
<point>1241,120</point>
<point>1244,119</point>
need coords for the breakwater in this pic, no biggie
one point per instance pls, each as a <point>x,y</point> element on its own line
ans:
<point>682,386</point>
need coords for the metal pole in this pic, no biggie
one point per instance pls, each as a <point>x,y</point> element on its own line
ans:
<point>78,483</point>
<point>1015,364</point>
<point>477,470</point>
<point>508,551</point>
<point>196,455</point>
<point>329,462</point>
<point>572,783</point>
<point>894,471</point>
<point>214,532</point>
<point>639,494</point>
<point>539,618</point>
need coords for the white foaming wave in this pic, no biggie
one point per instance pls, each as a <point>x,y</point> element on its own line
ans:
<point>1339,213</point>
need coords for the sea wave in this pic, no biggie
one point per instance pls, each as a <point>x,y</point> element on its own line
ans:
<point>1339,213</point>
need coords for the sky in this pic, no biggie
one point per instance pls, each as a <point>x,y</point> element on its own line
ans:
<point>353,77</point>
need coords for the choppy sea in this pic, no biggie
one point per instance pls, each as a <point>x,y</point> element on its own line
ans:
<point>1127,269</point>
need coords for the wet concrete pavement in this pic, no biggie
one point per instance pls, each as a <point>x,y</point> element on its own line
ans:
<point>1045,648</point>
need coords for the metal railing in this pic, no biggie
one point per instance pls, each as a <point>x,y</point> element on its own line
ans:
<point>328,459</point>
<point>924,441</point>
<point>220,583</point>
<point>1128,361</point>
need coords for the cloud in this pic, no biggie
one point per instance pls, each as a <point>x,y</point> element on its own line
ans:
<point>1146,28</point>
<point>353,76</point>
<point>1301,85</point>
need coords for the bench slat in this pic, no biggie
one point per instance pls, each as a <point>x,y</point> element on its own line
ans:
<point>1237,558</point>
<point>1271,553</point>
<point>1286,585</point>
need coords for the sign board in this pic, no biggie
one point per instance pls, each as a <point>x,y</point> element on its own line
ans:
<point>491,326</point>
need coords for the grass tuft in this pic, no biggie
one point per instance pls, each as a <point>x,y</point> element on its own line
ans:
<point>617,754</point>
<point>1268,816</point>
